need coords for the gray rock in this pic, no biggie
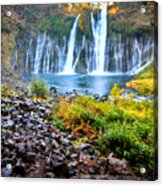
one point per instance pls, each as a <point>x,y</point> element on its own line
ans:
<point>6,101</point>
<point>9,124</point>
<point>7,171</point>
<point>30,156</point>
<point>28,105</point>
<point>21,148</point>
<point>29,124</point>
<point>42,109</point>
<point>65,141</point>
<point>85,146</point>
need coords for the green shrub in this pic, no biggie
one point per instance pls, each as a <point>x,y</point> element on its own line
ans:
<point>58,123</point>
<point>126,142</point>
<point>39,89</point>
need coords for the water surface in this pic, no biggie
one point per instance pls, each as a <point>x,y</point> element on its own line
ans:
<point>93,84</point>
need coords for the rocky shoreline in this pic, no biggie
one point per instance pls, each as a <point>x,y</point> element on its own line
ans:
<point>32,147</point>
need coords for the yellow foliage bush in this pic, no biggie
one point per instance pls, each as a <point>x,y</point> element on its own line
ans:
<point>87,117</point>
<point>142,86</point>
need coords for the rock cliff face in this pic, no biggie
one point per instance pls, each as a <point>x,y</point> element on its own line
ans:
<point>114,38</point>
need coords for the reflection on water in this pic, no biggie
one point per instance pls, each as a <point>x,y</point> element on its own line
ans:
<point>93,84</point>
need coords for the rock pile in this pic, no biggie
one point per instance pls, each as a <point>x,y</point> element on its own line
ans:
<point>32,147</point>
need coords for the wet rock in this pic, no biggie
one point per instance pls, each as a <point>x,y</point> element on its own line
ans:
<point>60,168</point>
<point>71,96</point>
<point>6,101</point>
<point>72,171</point>
<point>71,137</point>
<point>17,102</point>
<point>17,134</point>
<point>84,146</point>
<point>96,96</point>
<point>73,164</point>
<point>75,92</point>
<point>15,113</point>
<point>42,109</point>
<point>53,89</point>
<point>117,166</point>
<point>7,171</point>
<point>3,106</point>
<point>48,111</point>
<point>55,143</point>
<point>50,175</point>
<point>9,124</point>
<point>74,155</point>
<point>30,156</point>
<point>19,168</point>
<point>29,124</point>
<point>6,118</point>
<point>10,142</point>
<point>28,105</point>
<point>21,149</point>
<point>58,161</point>
<point>92,170</point>
<point>42,143</point>
<point>86,91</point>
<point>104,98</point>
<point>65,141</point>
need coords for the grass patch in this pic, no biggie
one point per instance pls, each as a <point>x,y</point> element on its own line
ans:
<point>58,123</point>
<point>7,90</point>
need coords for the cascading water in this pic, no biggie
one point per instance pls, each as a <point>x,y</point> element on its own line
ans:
<point>61,51</point>
<point>29,56</point>
<point>48,53</point>
<point>14,59</point>
<point>39,51</point>
<point>44,58</point>
<point>69,66</point>
<point>99,31</point>
<point>99,55</point>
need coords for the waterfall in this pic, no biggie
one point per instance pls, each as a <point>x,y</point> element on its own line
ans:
<point>39,52</point>
<point>14,59</point>
<point>99,30</point>
<point>61,51</point>
<point>29,57</point>
<point>98,55</point>
<point>142,54</point>
<point>69,67</point>
<point>47,55</point>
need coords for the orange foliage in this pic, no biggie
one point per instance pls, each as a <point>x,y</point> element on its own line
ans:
<point>113,10</point>
<point>86,6</point>
<point>65,111</point>
<point>68,8</point>
<point>74,10</point>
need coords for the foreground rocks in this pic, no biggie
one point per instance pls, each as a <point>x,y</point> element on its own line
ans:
<point>32,147</point>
